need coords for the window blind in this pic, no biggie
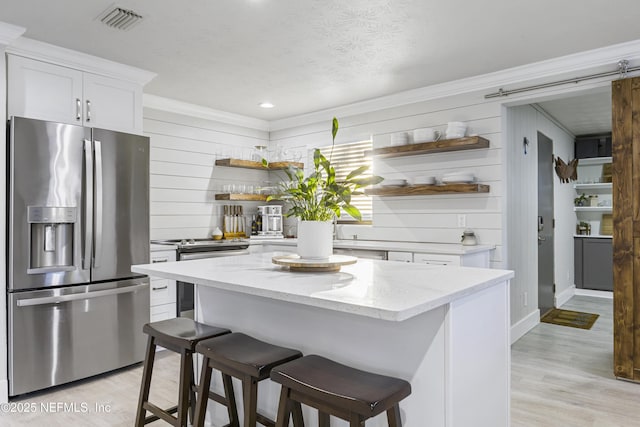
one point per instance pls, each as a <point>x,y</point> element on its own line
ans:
<point>345,159</point>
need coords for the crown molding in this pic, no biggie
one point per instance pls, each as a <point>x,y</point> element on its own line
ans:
<point>42,51</point>
<point>179,107</point>
<point>9,33</point>
<point>583,62</point>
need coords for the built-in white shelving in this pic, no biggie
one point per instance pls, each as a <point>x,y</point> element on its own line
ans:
<point>603,209</point>
<point>594,161</point>
<point>600,186</point>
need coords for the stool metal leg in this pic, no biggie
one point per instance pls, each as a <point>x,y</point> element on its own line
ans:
<point>203,393</point>
<point>323,419</point>
<point>146,381</point>
<point>393,416</point>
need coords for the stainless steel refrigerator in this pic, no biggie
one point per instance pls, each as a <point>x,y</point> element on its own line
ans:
<point>78,219</point>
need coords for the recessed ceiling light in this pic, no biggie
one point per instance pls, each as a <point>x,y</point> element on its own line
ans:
<point>266,105</point>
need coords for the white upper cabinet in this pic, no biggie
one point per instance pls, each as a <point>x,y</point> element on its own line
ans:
<point>45,91</point>
<point>112,104</point>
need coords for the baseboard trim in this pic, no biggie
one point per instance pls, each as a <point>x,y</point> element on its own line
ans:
<point>4,391</point>
<point>525,325</point>
<point>564,296</point>
<point>594,293</point>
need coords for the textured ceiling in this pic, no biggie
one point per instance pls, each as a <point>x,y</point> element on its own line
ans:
<point>583,115</point>
<point>309,55</point>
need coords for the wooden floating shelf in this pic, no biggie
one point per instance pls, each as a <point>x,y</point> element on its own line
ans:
<point>458,144</point>
<point>425,190</point>
<point>242,197</point>
<point>250,164</point>
<point>284,165</point>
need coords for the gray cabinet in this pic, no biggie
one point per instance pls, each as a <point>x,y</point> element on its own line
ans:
<point>593,263</point>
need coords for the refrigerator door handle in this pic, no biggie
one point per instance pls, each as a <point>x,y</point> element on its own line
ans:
<point>28,302</point>
<point>98,205</point>
<point>88,205</point>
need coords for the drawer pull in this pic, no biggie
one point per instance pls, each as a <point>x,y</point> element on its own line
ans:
<point>160,288</point>
<point>155,261</point>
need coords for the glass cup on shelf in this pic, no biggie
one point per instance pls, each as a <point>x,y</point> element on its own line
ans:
<point>259,153</point>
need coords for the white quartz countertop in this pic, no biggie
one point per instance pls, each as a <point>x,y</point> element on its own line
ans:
<point>386,290</point>
<point>431,248</point>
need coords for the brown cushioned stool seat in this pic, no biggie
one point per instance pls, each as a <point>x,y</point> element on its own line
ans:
<point>248,359</point>
<point>338,390</point>
<point>181,336</point>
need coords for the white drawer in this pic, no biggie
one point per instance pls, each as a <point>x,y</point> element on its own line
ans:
<point>163,312</point>
<point>163,256</point>
<point>400,256</point>
<point>436,259</point>
<point>162,291</point>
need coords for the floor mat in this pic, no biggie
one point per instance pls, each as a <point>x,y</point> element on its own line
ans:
<point>574,319</point>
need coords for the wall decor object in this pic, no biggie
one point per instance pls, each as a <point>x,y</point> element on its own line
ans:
<point>566,172</point>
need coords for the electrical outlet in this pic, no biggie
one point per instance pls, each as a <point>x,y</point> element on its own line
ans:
<point>462,221</point>
<point>525,298</point>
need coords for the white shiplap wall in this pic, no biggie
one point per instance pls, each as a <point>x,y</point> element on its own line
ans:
<point>425,218</point>
<point>522,209</point>
<point>184,179</point>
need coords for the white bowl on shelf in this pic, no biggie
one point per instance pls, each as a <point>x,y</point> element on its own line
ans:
<point>424,180</point>
<point>453,177</point>
<point>394,183</point>
<point>456,130</point>
<point>425,135</point>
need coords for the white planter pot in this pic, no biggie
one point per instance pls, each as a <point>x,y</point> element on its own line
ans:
<point>315,239</point>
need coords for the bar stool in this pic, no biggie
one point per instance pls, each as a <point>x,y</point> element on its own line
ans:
<point>181,336</point>
<point>334,389</point>
<point>248,359</point>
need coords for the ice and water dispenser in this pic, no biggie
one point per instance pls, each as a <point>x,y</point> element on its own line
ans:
<point>51,238</point>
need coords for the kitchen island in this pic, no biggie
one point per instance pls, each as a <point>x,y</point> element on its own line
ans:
<point>444,329</point>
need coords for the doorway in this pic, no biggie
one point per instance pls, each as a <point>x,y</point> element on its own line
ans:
<point>546,292</point>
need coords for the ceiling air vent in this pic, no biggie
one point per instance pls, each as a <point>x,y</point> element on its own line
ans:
<point>119,18</point>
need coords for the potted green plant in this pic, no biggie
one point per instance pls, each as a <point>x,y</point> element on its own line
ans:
<point>318,198</point>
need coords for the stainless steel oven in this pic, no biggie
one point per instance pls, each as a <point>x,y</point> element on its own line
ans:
<point>188,249</point>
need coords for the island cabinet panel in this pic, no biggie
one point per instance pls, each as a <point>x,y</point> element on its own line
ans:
<point>456,357</point>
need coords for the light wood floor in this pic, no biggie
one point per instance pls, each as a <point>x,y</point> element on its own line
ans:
<point>563,376</point>
<point>110,399</point>
<point>560,377</point>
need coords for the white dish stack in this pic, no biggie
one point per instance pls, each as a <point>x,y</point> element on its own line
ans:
<point>399,138</point>
<point>425,135</point>
<point>458,177</point>
<point>424,180</point>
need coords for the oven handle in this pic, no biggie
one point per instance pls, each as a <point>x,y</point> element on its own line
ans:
<point>212,254</point>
